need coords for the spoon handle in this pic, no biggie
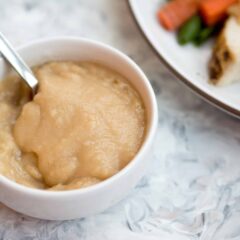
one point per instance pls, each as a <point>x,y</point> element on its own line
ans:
<point>18,64</point>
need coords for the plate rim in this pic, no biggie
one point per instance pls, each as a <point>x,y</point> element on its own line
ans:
<point>208,98</point>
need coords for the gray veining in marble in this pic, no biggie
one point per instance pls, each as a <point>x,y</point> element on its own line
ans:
<point>192,189</point>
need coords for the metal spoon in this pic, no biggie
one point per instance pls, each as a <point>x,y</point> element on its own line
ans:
<point>18,64</point>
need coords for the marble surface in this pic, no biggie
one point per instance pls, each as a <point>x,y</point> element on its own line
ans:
<point>192,188</point>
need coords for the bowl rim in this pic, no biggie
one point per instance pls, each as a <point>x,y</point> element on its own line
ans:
<point>152,125</point>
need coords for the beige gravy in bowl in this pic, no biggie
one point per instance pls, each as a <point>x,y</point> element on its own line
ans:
<point>84,125</point>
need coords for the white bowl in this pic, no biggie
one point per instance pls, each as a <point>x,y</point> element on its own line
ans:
<point>91,200</point>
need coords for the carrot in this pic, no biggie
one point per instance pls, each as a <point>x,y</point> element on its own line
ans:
<point>214,11</point>
<point>173,14</point>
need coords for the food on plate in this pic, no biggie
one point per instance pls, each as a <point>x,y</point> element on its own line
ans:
<point>84,125</point>
<point>173,14</point>
<point>197,20</point>
<point>224,65</point>
<point>189,31</point>
<point>213,11</point>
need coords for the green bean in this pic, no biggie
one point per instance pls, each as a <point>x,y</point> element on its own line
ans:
<point>204,35</point>
<point>190,30</point>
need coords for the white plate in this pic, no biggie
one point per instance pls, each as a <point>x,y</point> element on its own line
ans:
<point>188,63</point>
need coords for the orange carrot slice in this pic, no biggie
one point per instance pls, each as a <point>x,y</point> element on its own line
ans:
<point>173,14</point>
<point>214,11</point>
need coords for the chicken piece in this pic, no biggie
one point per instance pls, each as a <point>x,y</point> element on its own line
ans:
<point>224,65</point>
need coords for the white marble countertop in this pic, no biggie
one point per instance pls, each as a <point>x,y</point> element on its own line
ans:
<point>192,189</point>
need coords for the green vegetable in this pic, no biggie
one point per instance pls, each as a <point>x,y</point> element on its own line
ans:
<point>190,30</point>
<point>204,35</point>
